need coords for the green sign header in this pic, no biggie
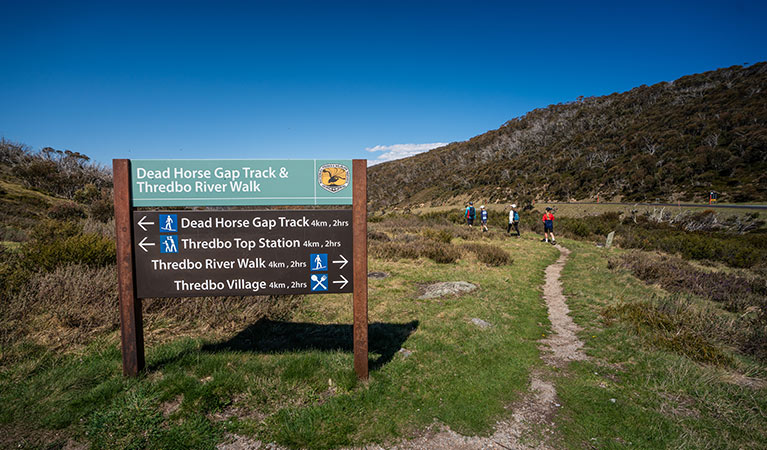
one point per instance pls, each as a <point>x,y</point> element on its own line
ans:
<point>241,182</point>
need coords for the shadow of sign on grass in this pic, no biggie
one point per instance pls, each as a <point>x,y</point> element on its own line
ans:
<point>268,336</point>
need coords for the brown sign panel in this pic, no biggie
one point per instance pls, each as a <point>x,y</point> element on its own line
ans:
<point>212,253</point>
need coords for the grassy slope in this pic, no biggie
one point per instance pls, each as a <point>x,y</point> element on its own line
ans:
<point>20,208</point>
<point>458,373</point>
<point>661,399</point>
<point>647,143</point>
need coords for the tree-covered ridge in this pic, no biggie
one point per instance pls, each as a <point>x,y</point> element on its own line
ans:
<point>672,140</point>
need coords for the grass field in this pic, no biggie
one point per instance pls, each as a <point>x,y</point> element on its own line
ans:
<point>662,399</point>
<point>291,381</point>
<point>288,378</point>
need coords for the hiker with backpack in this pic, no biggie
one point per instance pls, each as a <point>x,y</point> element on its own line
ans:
<point>470,213</point>
<point>513,220</point>
<point>548,226</point>
<point>483,218</point>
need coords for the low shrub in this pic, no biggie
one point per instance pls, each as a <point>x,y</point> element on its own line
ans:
<point>440,252</point>
<point>454,216</point>
<point>10,233</point>
<point>106,229</point>
<point>392,250</point>
<point>489,254</point>
<point>755,342</point>
<point>463,232</point>
<point>734,292</point>
<point>71,301</point>
<point>89,249</point>
<point>73,304</point>
<point>588,226</point>
<point>579,229</point>
<point>735,251</point>
<point>415,248</point>
<point>444,236</point>
<point>50,230</point>
<point>677,325</point>
<point>102,209</point>
<point>378,236</point>
<point>66,211</point>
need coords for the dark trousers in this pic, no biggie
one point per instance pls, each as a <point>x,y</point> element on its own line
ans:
<point>516,227</point>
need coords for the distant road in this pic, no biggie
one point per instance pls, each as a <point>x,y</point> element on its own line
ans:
<point>686,205</point>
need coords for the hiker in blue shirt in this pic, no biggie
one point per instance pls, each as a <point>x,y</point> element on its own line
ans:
<point>469,214</point>
<point>483,218</point>
<point>513,220</point>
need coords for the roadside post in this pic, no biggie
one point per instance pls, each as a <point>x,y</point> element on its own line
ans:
<point>192,253</point>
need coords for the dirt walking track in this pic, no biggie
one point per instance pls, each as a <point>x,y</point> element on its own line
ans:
<point>531,420</point>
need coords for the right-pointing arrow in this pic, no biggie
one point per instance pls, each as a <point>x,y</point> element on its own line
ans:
<point>343,261</point>
<point>144,244</point>
<point>342,283</point>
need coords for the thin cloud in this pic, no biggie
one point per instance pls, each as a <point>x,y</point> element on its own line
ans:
<point>399,151</point>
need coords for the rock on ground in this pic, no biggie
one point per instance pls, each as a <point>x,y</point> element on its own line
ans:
<point>446,288</point>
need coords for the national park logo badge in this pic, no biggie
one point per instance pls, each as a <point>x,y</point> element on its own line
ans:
<point>333,177</point>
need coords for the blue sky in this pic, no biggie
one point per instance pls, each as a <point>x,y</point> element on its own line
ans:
<point>287,79</point>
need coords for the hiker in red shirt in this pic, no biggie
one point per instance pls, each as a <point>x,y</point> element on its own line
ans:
<point>548,226</point>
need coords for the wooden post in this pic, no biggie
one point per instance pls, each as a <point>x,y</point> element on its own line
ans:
<point>131,323</point>
<point>360,262</point>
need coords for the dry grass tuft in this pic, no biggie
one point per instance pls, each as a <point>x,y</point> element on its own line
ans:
<point>72,305</point>
<point>489,254</point>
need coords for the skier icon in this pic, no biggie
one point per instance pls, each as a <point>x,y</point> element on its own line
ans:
<point>169,245</point>
<point>318,261</point>
<point>168,223</point>
<point>319,286</point>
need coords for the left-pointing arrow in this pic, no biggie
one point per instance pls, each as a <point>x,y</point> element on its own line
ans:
<point>143,244</point>
<point>141,223</point>
<point>343,282</point>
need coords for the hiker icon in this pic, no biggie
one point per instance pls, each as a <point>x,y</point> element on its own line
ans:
<point>169,244</point>
<point>318,261</point>
<point>168,223</point>
<point>319,282</point>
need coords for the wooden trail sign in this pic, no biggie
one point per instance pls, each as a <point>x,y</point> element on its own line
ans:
<point>212,253</point>
<point>167,253</point>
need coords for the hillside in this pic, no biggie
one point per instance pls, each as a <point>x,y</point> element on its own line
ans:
<point>672,140</point>
<point>48,184</point>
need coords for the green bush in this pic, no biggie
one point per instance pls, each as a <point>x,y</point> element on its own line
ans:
<point>87,249</point>
<point>587,226</point>
<point>378,236</point>
<point>444,236</point>
<point>393,250</point>
<point>489,254</point>
<point>677,325</point>
<point>579,229</point>
<point>102,209</point>
<point>413,249</point>
<point>440,252</point>
<point>66,211</point>
<point>51,230</point>
<point>728,245</point>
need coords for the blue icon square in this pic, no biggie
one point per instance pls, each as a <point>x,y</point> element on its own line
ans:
<point>318,261</point>
<point>168,223</point>
<point>169,244</point>
<point>319,282</point>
